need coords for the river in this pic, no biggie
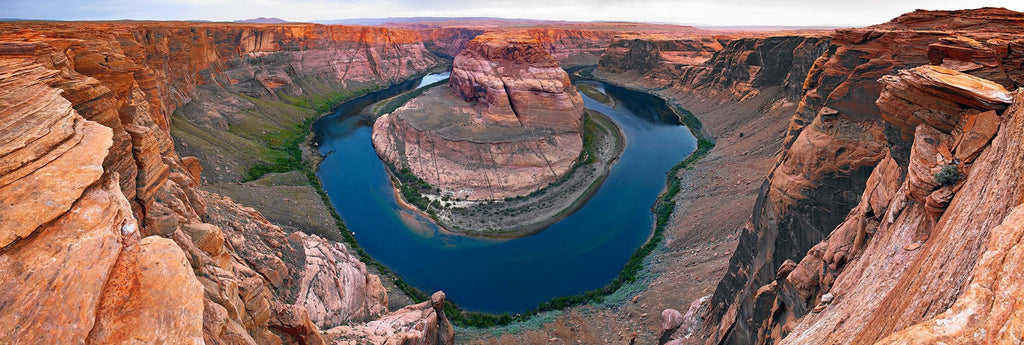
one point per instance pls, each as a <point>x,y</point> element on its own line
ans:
<point>581,252</point>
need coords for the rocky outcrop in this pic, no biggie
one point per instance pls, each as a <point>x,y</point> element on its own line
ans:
<point>76,244</point>
<point>517,82</point>
<point>103,217</point>
<point>880,266</point>
<point>416,324</point>
<point>508,124</point>
<point>920,229</point>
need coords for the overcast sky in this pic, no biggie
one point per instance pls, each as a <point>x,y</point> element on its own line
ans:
<point>705,12</point>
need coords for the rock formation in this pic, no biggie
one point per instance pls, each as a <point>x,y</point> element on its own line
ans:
<point>101,215</point>
<point>422,323</point>
<point>862,232</point>
<point>571,44</point>
<point>737,67</point>
<point>201,75</point>
<point>448,42</point>
<point>811,255</point>
<point>509,122</point>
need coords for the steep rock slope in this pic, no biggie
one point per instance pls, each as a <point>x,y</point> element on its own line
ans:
<point>102,214</point>
<point>747,123</point>
<point>658,58</point>
<point>837,137</point>
<point>905,253</point>
<point>723,66</point>
<point>509,123</point>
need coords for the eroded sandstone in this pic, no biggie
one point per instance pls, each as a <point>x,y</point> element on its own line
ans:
<point>508,124</point>
<point>102,217</point>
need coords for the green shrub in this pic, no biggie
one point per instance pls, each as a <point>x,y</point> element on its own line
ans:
<point>948,175</point>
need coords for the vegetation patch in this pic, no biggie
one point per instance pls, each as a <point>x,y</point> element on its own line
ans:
<point>412,187</point>
<point>948,175</point>
<point>590,131</point>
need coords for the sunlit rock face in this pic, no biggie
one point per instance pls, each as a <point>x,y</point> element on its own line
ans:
<point>508,123</point>
<point>104,231</point>
<point>889,188</point>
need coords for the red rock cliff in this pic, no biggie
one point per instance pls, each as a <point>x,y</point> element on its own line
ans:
<point>840,175</point>
<point>203,73</point>
<point>853,239</point>
<point>101,215</point>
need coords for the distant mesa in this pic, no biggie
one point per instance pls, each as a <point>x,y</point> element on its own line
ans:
<point>262,20</point>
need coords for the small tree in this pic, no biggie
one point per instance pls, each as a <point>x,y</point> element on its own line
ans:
<point>948,175</point>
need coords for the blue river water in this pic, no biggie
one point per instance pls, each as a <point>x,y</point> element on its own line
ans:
<point>581,252</point>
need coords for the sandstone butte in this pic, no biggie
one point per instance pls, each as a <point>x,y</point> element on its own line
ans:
<point>105,235</point>
<point>508,123</point>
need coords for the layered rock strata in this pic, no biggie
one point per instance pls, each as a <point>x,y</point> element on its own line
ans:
<point>102,216</point>
<point>206,76</point>
<point>835,249</point>
<point>508,124</point>
<point>572,44</point>
<point>720,66</point>
<point>842,162</point>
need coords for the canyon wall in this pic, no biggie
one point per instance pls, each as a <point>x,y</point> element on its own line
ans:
<point>720,66</point>
<point>214,78</point>
<point>508,123</point>
<point>448,42</point>
<point>103,216</point>
<point>571,45</point>
<point>853,237</point>
<point>807,196</point>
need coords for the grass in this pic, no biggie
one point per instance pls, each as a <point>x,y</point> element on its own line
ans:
<point>687,118</point>
<point>590,130</point>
